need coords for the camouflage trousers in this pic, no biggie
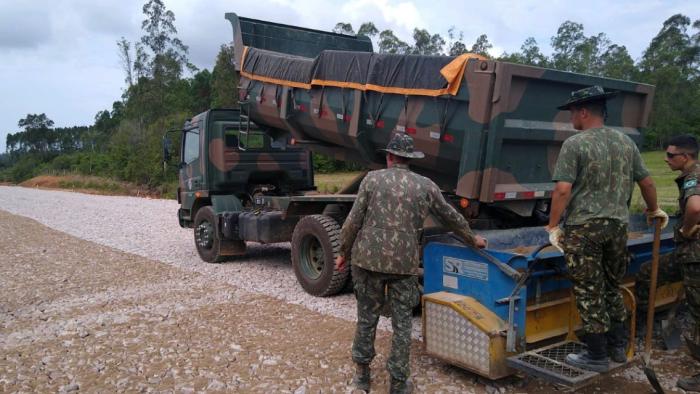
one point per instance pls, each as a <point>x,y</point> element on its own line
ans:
<point>597,258</point>
<point>372,290</point>
<point>670,270</point>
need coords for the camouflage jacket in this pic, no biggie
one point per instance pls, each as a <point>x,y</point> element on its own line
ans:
<point>687,250</point>
<point>383,228</point>
<point>602,164</point>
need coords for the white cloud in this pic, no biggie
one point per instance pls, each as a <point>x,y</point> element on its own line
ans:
<point>23,27</point>
<point>402,15</point>
<point>62,59</point>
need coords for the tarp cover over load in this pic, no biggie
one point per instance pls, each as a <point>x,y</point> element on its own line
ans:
<point>387,73</point>
<point>279,68</point>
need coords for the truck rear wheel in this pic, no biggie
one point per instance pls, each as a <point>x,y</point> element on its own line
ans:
<point>210,246</point>
<point>315,245</point>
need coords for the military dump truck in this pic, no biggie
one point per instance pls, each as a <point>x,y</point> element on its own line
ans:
<point>491,134</point>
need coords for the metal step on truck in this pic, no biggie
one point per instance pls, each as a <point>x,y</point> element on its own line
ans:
<point>491,134</point>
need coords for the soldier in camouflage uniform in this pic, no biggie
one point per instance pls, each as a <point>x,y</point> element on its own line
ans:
<point>684,262</point>
<point>669,272</point>
<point>595,175</point>
<point>381,233</point>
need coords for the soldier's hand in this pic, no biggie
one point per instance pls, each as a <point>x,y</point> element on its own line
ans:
<point>693,233</point>
<point>658,214</point>
<point>340,263</point>
<point>555,236</point>
<point>481,242</point>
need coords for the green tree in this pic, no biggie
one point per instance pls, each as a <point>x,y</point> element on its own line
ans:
<point>456,45</point>
<point>389,43</point>
<point>38,137</point>
<point>224,80</point>
<point>426,44</point>
<point>574,51</point>
<point>482,46</point>
<point>367,29</point>
<point>343,28</point>
<point>35,122</point>
<point>532,54</point>
<point>670,62</point>
<point>616,62</point>
<point>200,91</point>
<point>673,47</point>
<point>125,57</point>
<point>159,62</point>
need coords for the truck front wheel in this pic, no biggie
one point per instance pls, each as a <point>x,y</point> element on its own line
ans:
<point>315,245</point>
<point>210,246</point>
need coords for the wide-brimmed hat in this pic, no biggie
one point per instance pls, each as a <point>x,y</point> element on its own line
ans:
<point>586,95</point>
<point>401,144</point>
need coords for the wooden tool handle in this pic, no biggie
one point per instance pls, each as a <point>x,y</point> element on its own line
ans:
<point>652,287</point>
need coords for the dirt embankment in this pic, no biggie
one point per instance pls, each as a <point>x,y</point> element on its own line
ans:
<point>94,185</point>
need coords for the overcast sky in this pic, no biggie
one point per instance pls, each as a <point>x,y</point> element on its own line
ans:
<point>60,57</point>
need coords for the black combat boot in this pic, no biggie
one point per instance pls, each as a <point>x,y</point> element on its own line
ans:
<point>617,342</point>
<point>595,358</point>
<point>361,379</point>
<point>689,384</point>
<point>400,386</point>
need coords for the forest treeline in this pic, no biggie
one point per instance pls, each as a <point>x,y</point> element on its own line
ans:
<point>162,89</point>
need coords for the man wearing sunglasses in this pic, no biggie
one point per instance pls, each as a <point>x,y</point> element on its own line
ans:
<point>682,155</point>
<point>595,174</point>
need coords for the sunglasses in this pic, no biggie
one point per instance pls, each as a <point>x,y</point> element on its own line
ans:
<point>672,155</point>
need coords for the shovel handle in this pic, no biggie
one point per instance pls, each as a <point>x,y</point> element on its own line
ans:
<point>652,286</point>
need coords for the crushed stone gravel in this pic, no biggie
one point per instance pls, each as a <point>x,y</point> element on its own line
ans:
<point>156,285</point>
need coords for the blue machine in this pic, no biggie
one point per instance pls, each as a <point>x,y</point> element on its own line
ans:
<point>516,275</point>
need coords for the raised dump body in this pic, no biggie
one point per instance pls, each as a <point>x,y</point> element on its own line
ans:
<point>490,130</point>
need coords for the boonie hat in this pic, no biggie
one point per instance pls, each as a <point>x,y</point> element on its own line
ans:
<point>401,144</point>
<point>585,95</point>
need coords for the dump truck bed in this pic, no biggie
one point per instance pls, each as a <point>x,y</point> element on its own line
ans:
<point>490,130</point>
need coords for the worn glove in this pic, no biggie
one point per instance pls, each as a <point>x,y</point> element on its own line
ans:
<point>555,237</point>
<point>693,233</point>
<point>658,214</point>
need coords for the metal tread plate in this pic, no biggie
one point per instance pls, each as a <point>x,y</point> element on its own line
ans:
<point>548,363</point>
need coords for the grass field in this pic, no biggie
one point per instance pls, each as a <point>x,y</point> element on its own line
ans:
<point>331,183</point>
<point>666,188</point>
<point>663,177</point>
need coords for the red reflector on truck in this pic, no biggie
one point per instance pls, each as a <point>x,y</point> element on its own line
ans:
<point>380,124</point>
<point>410,130</point>
<point>499,196</point>
<point>527,194</point>
<point>448,138</point>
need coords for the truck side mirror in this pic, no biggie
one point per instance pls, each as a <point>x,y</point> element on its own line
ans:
<point>166,149</point>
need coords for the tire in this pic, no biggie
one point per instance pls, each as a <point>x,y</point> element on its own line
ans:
<point>315,245</point>
<point>207,240</point>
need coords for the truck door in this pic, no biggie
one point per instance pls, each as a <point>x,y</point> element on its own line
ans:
<point>191,173</point>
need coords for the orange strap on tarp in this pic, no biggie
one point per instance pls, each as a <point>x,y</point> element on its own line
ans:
<point>268,79</point>
<point>453,73</point>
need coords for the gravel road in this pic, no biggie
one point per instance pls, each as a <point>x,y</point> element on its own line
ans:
<point>110,295</point>
<point>149,228</point>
